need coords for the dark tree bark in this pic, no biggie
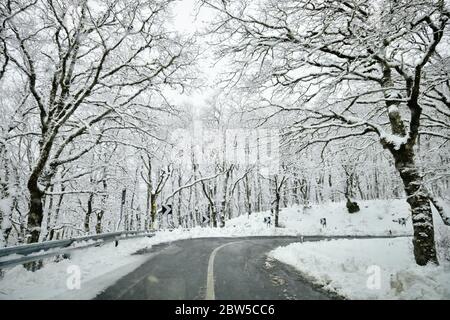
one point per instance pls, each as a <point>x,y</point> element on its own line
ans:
<point>87,217</point>
<point>278,185</point>
<point>35,214</point>
<point>101,212</point>
<point>153,207</point>
<point>98,225</point>
<point>423,241</point>
<point>248,194</point>
<point>276,209</point>
<point>211,206</point>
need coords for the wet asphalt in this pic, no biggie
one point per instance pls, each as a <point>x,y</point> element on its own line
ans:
<point>241,271</point>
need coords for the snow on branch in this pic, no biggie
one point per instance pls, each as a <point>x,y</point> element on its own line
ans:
<point>191,185</point>
<point>59,193</point>
<point>439,208</point>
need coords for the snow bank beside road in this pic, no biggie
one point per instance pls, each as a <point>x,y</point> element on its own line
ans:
<point>99,268</point>
<point>350,268</point>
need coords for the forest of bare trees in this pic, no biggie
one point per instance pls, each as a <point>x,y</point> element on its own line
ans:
<point>350,98</point>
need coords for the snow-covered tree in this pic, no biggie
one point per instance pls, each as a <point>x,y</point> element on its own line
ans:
<point>343,70</point>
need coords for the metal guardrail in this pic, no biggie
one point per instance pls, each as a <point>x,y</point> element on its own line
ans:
<point>37,251</point>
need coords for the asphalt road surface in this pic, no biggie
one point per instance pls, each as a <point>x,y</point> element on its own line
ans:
<point>215,268</point>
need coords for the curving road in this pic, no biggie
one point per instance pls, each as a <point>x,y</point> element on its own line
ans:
<point>215,268</point>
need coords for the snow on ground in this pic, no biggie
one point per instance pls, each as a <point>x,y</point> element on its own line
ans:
<point>375,218</point>
<point>351,268</point>
<point>102,266</point>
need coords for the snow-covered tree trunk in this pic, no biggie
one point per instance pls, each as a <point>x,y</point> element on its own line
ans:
<point>100,213</point>
<point>180,200</point>
<point>421,214</point>
<point>224,201</point>
<point>5,197</point>
<point>278,184</point>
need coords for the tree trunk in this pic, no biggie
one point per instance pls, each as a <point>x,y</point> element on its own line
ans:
<point>5,215</point>
<point>422,218</point>
<point>87,217</point>
<point>277,209</point>
<point>214,217</point>
<point>98,225</point>
<point>48,217</point>
<point>36,212</point>
<point>101,212</point>
<point>259,197</point>
<point>152,210</point>
<point>180,200</point>
<point>224,203</point>
<point>211,205</point>
<point>58,207</point>
<point>248,196</point>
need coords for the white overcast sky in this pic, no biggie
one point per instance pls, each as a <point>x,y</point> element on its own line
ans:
<point>187,20</point>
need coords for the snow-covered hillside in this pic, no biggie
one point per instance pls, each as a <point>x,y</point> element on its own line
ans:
<point>377,217</point>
